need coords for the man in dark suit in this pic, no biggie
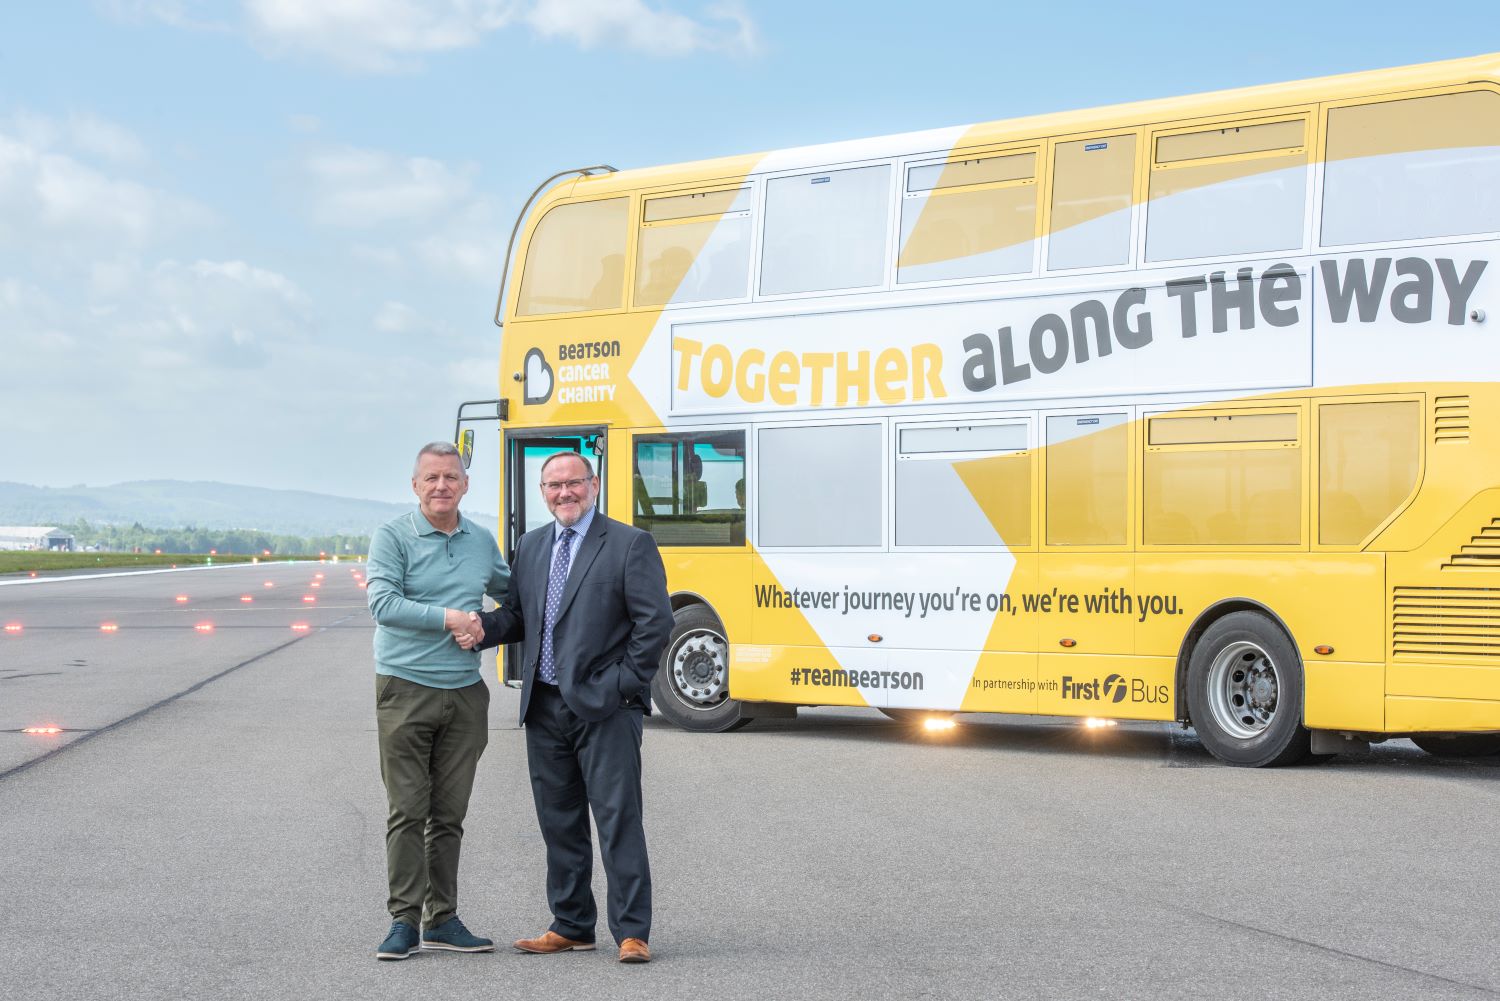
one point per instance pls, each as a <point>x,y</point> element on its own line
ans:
<point>588,601</point>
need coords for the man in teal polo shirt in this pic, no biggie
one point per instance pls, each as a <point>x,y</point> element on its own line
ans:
<point>428,569</point>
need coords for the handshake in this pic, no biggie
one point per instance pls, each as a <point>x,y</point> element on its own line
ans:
<point>467,631</point>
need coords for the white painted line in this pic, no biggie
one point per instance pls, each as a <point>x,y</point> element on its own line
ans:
<point>139,573</point>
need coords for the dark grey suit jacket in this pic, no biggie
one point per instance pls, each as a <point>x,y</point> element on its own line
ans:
<point>612,625</point>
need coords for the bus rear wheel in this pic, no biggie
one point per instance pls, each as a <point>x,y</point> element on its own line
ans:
<point>1245,693</point>
<point>691,687</point>
<point>1459,745</point>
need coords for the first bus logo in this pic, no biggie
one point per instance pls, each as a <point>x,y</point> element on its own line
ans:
<point>1115,688</point>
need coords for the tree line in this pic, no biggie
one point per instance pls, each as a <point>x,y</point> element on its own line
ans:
<point>244,541</point>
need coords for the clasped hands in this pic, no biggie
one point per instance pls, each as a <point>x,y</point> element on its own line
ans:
<point>466,628</point>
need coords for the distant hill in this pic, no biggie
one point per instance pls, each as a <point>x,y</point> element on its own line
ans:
<point>179,504</point>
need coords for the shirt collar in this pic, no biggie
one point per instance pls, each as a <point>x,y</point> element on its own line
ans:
<point>422,526</point>
<point>581,526</point>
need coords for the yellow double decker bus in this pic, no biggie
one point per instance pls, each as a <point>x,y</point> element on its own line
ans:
<point>1183,410</point>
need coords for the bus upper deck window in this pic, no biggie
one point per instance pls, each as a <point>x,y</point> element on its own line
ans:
<point>1228,190</point>
<point>1413,169</point>
<point>694,248</point>
<point>1092,181</point>
<point>969,218</point>
<point>576,259</point>
<point>826,231</point>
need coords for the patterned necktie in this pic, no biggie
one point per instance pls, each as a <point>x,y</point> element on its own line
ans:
<point>555,582</point>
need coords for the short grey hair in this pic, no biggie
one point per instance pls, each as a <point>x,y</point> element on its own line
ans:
<point>438,448</point>
<point>561,455</point>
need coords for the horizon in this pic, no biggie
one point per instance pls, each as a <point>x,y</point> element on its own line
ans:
<point>468,510</point>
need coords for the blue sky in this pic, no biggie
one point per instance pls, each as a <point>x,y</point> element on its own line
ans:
<point>257,241</point>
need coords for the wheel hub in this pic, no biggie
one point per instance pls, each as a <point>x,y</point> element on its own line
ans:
<point>1243,689</point>
<point>700,668</point>
<point>1263,691</point>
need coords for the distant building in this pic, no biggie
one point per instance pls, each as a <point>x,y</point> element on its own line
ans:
<point>32,537</point>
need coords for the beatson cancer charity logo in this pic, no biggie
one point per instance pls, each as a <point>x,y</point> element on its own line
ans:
<point>584,374</point>
<point>1115,688</point>
<point>537,387</point>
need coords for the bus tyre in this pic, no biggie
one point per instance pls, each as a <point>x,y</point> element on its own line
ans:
<point>691,688</point>
<point>1245,693</point>
<point>1459,745</point>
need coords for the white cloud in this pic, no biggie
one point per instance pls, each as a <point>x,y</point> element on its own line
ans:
<point>385,36</point>
<point>238,274</point>
<point>84,134</point>
<point>50,198</point>
<point>360,187</point>
<point>473,377</point>
<point>634,24</point>
<point>387,258</point>
<point>473,257</point>
<point>178,13</point>
<point>397,318</point>
<point>207,315</point>
<point>425,205</point>
<point>93,135</point>
<point>373,35</point>
<point>305,124</point>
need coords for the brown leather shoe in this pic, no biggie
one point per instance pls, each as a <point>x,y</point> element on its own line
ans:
<point>633,950</point>
<point>550,941</point>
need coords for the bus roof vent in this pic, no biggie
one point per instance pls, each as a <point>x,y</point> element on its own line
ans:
<point>1450,419</point>
<point>1482,551</point>
<point>1446,623</point>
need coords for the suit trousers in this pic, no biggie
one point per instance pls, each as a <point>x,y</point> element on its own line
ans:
<point>577,765</point>
<point>430,743</point>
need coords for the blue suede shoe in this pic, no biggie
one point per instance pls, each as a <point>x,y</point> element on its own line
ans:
<point>454,937</point>
<point>399,941</point>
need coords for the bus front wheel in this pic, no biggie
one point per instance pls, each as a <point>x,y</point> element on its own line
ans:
<point>691,687</point>
<point>1459,745</point>
<point>1245,693</point>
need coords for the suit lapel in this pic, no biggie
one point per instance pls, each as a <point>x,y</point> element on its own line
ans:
<point>587,550</point>
<point>539,570</point>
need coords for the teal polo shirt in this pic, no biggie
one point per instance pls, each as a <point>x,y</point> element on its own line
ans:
<point>415,572</point>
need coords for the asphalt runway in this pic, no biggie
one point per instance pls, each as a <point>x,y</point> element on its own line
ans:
<point>210,825</point>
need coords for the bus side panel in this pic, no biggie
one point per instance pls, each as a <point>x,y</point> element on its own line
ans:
<point>1445,681</point>
<point>1005,678</point>
<point>806,675</point>
<point>1333,599</point>
<point>1414,715</point>
<point>1322,598</point>
<point>1002,683</point>
<point>1343,696</point>
<point>1444,671</point>
<point>785,660</point>
<point>721,578</point>
<point>1083,592</point>
<point>1113,687</point>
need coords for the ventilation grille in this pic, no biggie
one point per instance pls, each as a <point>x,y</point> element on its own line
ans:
<point>1450,419</point>
<point>1448,622</point>
<point>1482,552</point>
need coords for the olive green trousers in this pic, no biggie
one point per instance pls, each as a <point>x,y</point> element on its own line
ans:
<point>430,743</point>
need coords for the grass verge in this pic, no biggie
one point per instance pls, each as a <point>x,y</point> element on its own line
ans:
<point>40,562</point>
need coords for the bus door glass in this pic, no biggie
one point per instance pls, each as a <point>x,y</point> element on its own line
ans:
<point>524,507</point>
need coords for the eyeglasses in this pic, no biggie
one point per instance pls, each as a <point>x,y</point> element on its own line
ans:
<point>556,486</point>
